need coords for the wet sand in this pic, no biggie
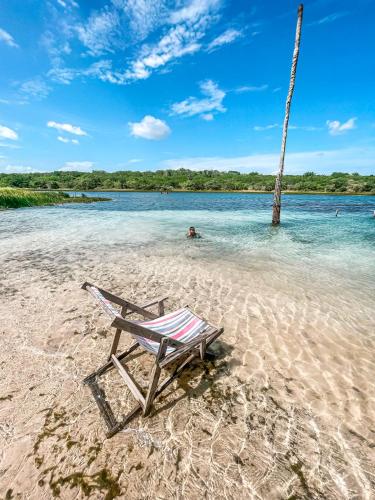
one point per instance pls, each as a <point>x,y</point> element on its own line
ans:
<point>286,410</point>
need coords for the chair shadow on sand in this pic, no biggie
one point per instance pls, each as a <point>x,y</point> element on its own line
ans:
<point>209,373</point>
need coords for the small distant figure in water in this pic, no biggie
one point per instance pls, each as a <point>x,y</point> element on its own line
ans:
<point>337,212</point>
<point>192,233</point>
<point>373,214</point>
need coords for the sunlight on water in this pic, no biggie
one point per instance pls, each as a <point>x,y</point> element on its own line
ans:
<point>290,394</point>
<point>233,226</point>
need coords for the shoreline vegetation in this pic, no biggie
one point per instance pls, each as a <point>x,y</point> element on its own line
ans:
<point>191,181</point>
<point>18,198</point>
<point>211,191</point>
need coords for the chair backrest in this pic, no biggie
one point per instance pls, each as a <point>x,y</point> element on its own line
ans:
<point>106,301</point>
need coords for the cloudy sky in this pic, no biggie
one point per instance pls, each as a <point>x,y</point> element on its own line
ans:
<point>149,84</point>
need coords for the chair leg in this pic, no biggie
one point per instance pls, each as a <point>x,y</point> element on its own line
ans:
<point>202,349</point>
<point>161,308</point>
<point>154,378</point>
<point>114,343</point>
<point>109,365</point>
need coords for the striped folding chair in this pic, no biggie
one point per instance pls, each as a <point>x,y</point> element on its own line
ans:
<point>177,337</point>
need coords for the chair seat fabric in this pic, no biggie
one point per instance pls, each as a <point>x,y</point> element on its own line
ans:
<point>182,325</point>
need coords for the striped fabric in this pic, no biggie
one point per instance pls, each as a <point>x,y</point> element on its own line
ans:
<point>105,303</point>
<point>180,325</point>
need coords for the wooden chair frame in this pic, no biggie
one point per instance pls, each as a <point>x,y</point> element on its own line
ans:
<point>181,356</point>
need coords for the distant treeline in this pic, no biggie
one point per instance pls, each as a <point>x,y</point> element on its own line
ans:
<point>189,180</point>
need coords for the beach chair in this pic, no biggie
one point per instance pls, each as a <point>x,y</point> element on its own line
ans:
<point>174,339</point>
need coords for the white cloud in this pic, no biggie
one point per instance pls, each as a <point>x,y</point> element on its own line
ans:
<point>260,128</point>
<point>119,26</point>
<point>66,140</point>
<point>57,46</point>
<point>229,36</point>
<point>8,133</point>
<point>194,106</point>
<point>251,88</point>
<point>208,117</point>
<point>150,128</point>
<point>19,169</point>
<point>7,38</point>
<point>193,11</point>
<point>142,16</point>
<point>329,19</point>
<point>337,128</point>
<point>179,41</point>
<point>66,127</point>
<point>67,3</point>
<point>323,161</point>
<point>63,139</point>
<point>35,88</point>
<point>99,34</point>
<point>189,27</point>
<point>307,128</point>
<point>9,145</point>
<point>77,166</point>
<point>100,69</point>
<point>135,160</point>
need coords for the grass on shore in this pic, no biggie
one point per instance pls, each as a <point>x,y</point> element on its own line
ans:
<point>17,198</point>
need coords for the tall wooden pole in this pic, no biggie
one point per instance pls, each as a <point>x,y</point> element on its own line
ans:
<point>277,194</point>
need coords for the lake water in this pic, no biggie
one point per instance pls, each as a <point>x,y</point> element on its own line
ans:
<point>233,226</point>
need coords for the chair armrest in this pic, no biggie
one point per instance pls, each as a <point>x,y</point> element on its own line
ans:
<point>160,302</point>
<point>188,346</point>
<point>153,302</point>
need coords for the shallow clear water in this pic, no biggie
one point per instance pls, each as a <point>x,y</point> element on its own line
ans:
<point>285,411</point>
<point>234,226</point>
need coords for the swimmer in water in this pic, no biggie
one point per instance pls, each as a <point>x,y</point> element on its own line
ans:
<point>192,233</point>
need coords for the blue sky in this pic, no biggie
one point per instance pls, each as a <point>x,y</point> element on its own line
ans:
<point>149,84</point>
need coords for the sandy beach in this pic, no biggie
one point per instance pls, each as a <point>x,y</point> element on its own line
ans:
<point>286,410</point>
<point>219,154</point>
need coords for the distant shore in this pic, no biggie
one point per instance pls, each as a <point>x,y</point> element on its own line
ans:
<point>244,191</point>
<point>183,180</point>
